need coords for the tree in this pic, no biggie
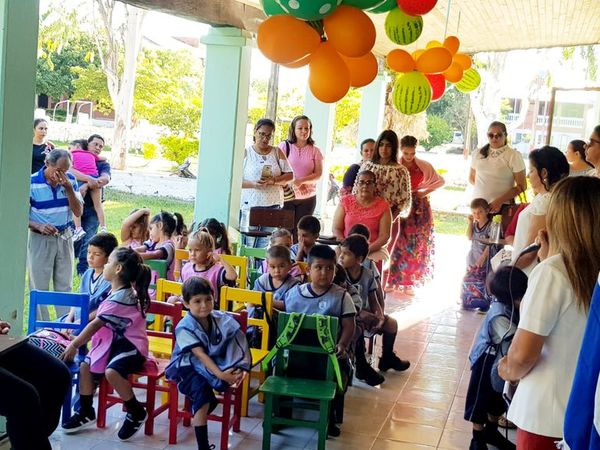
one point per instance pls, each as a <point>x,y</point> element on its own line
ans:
<point>453,107</point>
<point>440,131</point>
<point>347,114</point>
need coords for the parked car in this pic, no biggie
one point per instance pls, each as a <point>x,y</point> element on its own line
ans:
<point>448,149</point>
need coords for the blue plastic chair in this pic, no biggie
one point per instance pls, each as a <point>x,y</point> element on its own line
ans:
<point>76,300</point>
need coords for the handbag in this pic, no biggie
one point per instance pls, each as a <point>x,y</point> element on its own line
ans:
<point>508,211</point>
<point>51,341</point>
<point>473,293</point>
<point>288,189</point>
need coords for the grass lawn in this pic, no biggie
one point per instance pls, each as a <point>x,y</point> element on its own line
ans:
<point>448,223</point>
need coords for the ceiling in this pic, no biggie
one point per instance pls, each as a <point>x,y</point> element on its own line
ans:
<point>481,25</point>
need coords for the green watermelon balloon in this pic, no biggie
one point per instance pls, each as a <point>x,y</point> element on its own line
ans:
<point>385,6</point>
<point>363,4</point>
<point>402,28</point>
<point>469,82</point>
<point>302,9</point>
<point>412,93</point>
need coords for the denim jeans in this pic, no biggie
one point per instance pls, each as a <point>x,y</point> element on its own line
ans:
<point>90,223</point>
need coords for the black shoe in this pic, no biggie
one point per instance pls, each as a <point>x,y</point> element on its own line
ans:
<point>79,421</point>
<point>367,374</point>
<point>497,439</point>
<point>477,444</point>
<point>393,362</point>
<point>131,425</point>
<point>333,430</point>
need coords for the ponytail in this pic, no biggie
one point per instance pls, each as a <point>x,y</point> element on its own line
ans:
<point>171,223</point>
<point>141,284</point>
<point>218,231</point>
<point>135,274</point>
<point>224,241</point>
<point>179,224</point>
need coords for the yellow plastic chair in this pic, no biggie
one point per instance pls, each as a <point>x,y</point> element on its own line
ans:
<point>233,296</point>
<point>183,255</point>
<point>240,264</point>
<point>164,289</point>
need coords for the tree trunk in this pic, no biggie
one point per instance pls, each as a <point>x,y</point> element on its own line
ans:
<point>273,92</point>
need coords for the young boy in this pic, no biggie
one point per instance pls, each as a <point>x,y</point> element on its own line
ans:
<point>278,279</point>
<point>479,227</point>
<point>484,405</point>
<point>353,251</point>
<point>368,262</point>
<point>321,296</point>
<point>282,237</point>
<point>309,229</point>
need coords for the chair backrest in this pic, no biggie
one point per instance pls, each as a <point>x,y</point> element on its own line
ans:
<point>164,289</point>
<point>183,255</point>
<point>73,299</point>
<point>270,217</point>
<point>253,252</point>
<point>234,297</point>
<point>162,310</point>
<point>240,263</point>
<point>242,318</point>
<point>159,270</point>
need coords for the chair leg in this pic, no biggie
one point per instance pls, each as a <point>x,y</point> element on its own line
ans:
<point>323,423</point>
<point>246,394</point>
<point>173,408</point>
<point>102,401</point>
<point>237,410</point>
<point>226,419</point>
<point>267,422</point>
<point>150,405</point>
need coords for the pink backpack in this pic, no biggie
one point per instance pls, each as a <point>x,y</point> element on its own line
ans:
<point>51,341</point>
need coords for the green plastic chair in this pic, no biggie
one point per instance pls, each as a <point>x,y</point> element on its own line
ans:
<point>252,252</point>
<point>283,387</point>
<point>159,270</point>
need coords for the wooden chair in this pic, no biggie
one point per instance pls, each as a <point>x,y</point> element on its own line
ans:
<point>183,255</point>
<point>240,263</point>
<point>152,374</point>
<point>231,398</point>
<point>230,299</point>
<point>164,289</point>
<point>71,299</point>
<point>269,217</point>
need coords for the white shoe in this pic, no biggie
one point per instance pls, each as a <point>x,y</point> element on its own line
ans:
<point>78,234</point>
<point>102,230</point>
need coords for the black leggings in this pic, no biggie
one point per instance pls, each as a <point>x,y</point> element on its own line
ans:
<point>33,386</point>
<point>301,208</point>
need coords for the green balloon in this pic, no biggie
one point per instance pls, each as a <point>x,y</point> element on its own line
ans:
<point>385,6</point>
<point>272,8</point>
<point>363,4</point>
<point>302,9</point>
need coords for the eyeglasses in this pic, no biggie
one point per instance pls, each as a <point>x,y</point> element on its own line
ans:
<point>495,135</point>
<point>592,142</point>
<point>266,136</point>
<point>365,182</point>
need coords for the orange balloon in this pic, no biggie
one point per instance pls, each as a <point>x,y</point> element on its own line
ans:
<point>350,30</point>
<point>329,77</point>
<point>417,53</point>
<point>300,63</point>
<point>363,69</point>
<point>434,60</point>
<point>284,39</point>
<point>432,44</point>
<point>454,73</point>
<point>452,43</point>
<point>463,60</point>
<point>400,61</point>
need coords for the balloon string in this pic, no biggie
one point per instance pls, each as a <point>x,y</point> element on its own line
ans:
<point>458,23</point>
<point>318,26</point>
<point>447,18</point>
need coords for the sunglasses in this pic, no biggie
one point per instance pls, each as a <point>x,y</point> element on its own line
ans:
<point>365,182</point>
<point>495,135</point>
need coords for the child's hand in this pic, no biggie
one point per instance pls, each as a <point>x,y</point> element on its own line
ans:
<point>4,327</point>
<point>232,376</point>
<point>340,350</point>
<point>69,353</point>
<point>179,241</point>
<point>471,218</point>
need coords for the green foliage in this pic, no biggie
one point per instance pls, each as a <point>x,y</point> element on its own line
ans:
<point>177,148</point>
<point>453,107</point>
<point>440,132</point>
<point>91,85</point>
<point>149,150</point>
<point>338,171</point>
<point>347,113</point>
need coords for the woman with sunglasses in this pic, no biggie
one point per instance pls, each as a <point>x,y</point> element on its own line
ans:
<point>592,150</point>
<point>497,170</point>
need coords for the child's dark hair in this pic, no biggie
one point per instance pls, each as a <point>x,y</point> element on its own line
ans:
<point>310,224</point>
<point>82,143</point>
<point>361,229</point>
<point>357,244</point>
<point>340,275</point>
<point>320,251</point>
<point>107,242</point>
<point>196,286</point>
<point>508,283</point>
<point>480,203</point>
<point>279,252</point>
<point>172,223</point>
<point>218,231</point>
<point>135,274</point>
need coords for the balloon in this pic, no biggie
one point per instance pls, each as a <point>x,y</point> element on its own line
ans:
<point>432,44</point>
<point>438,85</point>
<point>416,7</point>
<point>284,39</point>
<point>350,31</point>
<point>412,93</point>
<point>363,70</point>
<point>299,63</point>
<point>402,28</point>
<point>400,61</point>
<point>302,9</point>
<point>417,53</point>
<point>452,43</point>
<point>454,73</point>
<point>434,60</point>
<point>272,8</point>
<point>329,77</point>
<point>469,82</point>
<point>362,4</point>
<point>386,6</point>
<point>463,60</point>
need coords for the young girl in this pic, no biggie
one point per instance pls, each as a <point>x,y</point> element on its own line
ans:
<point>211,353</point>
<point>479,228</point>
<point>119,342</point>
<point>218,231</point>
<point>160,245</point>
<point>134,229</point>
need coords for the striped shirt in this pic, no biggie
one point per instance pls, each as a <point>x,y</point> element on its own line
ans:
<point>50,205</point>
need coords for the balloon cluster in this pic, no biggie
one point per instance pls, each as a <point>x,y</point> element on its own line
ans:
<point>333,37</point>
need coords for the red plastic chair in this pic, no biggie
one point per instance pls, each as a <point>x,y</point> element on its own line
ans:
<point>152,374</point>
<point>232,397</point>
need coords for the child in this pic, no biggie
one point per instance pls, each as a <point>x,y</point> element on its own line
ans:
<point>282,237</point>
<point>368,262</point>
<point>278,278</point>
<point>160,245</point>
<point>309,229</point>
<point>85,161</point>
<point>353,251</point>
<point>484,405</point>
<point>479,228</point>
<point>211,353</point>
<point>134,229</point>
<point>119,342</point>
<point>218,231</point>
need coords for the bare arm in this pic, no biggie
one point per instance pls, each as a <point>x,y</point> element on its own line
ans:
<point>537,224</point>
<point>129,221</point>
<point>278,305</point>
<point>314,177</point>
<point>470,228</point>
<point>87,333</point>
<point>75,203</point>
<point>472,176</point>
<point>348,325</point>
<point>80,176</point>
<point>337,226</point>
<point>385,229</point>
<point>522,356</point>
<point>230,273</point>
<point>151,254</point>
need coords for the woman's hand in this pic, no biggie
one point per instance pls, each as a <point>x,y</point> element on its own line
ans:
<point>4,327</point>
<point>496,205</point>
<point>69,353</point>
<point>542,241</point>
<point>503,368</point>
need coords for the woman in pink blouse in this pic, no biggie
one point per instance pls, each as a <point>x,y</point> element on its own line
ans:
<point>367,208</point>
<point>306,162</point>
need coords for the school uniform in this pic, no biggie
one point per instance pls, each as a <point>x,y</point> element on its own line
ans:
<point>334,302</point>
<point>168,248</point>
<point>264,283</point>
<point>96,286</point>
<point>215,275</point>
<point>365,284</point>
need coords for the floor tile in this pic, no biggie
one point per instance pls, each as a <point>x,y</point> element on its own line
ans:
<point>384,444</point>
<point>418,414</point>
<point>346,441</point>
<point>396,430</point>
<point>433,384</point>
<point>455,440</point>
<point>427,399</point>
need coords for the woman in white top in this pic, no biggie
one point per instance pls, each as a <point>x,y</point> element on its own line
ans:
<point>576,157</point>
<point>266,170</point>
<point>553,314</point>
<point>497,171</point>
<point>547,166</point>
<point>592,150</point>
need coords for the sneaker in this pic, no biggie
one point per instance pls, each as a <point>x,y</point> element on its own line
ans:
<point>102,230</point>
<point>495,438</point>
<point>368,375</point>
<point>131,426</point>
<point>333,430</point>
<point>78,234</point>
<point>79,422</point>
<point>476,444</point>
<point>393,362</point>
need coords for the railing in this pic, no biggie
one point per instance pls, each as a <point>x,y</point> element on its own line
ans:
<point>512,117</point>
<point>562,122</point>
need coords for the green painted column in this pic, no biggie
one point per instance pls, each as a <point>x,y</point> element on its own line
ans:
<point>223,125</point>
<point>18,53</point>
<point>372,108</point>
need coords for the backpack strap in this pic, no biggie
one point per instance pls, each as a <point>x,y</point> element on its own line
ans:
<point>328,344</point>
<point>286,337</point>
<point>287,148</point>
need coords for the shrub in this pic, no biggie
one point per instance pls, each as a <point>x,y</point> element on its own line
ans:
<point>177,149</point>
<point>440,132</point>
<point>149,150</point>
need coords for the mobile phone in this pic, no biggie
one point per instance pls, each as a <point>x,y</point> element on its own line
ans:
<point>267,172</point>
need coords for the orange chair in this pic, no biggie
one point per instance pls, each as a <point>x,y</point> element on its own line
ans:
<point>152,375</point>
<point>232,397</point>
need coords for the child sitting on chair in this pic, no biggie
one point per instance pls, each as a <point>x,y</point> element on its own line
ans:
<point>278,278</point>
<point>218,231</point>
<point>353,251</point>
<point>309,229</point>
<point>368,262</point>
<point>211,353</point>
<point>282,237</point>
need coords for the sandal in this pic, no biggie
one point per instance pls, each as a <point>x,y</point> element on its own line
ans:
<point>503,422</point>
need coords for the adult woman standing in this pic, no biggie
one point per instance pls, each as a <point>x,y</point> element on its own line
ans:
<point>367,150</point>
<point>576,157</point>
<point>367,208</point>
<point>306,162</point>
<point>592,150</point>
<point>497,171</point>
<point>41,146</point>
<point>415,246</point>
<point>553,315</point>
<point>266,170</point>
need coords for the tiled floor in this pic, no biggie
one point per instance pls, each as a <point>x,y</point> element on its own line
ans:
<point>419,409</point>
